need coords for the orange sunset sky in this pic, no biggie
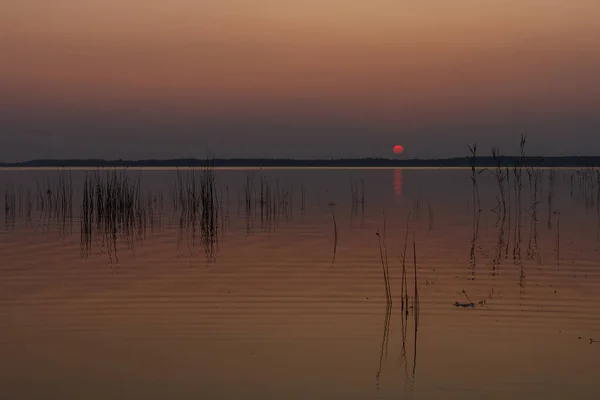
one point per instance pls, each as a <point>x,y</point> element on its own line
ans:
<point>327,78</point>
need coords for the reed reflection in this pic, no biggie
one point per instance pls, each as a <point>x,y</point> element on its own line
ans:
<point>409,310</point>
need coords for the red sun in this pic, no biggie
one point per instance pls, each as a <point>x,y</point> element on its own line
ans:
<point>398,149</point>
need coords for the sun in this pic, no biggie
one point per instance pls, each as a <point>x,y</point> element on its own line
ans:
<point>398,149</point>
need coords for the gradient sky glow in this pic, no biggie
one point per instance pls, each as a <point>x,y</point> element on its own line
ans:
<point>281,78</point>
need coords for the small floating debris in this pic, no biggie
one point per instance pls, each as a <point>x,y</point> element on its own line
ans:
<point>464,305</point>
<point>470,304</point>
<point>592,340</point>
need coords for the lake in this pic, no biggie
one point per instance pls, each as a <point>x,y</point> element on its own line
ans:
<point>300,283</point>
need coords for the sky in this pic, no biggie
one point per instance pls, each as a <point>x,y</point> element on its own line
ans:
<point>138,79</point>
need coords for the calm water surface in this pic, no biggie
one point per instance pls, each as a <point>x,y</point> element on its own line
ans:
<point>276,300</point>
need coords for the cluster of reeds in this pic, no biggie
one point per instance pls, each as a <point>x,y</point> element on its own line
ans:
<point>584,186</point>
<point>197,203</point>
<point>551,180</point>
<point>557,213</point>
<point>53,201</point>
<point>597,170</point>
<point>267,206</point>
<point>416,301</point>
<point>155,206</point>
<point>409,380</point>
<point>474,173</point>
<point>249,195</point>
<point>10,206</point>
<point>112,208</point>
<point>384,262</point>
<point>497,258</point>
<point>268,203</point>
<point>406,304</point>
<point>224,202</point>
<point>209,222</point>
<point>357,200</point>
<point>405,300</point>
<point>534,189</point>
<point>518,191</point>
<point>598,203</point>
<point>275,203</point>
<point>501,176</point>
<point>472,251</point>
<point>504,210</point>
<point>404,281</point>
<point>509,181</point>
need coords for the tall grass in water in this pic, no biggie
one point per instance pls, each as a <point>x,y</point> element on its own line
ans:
<point>497,259</point>
<point>409,382</point>
<point>557,237</point>
<point>87,216</point>
<point>198,205</point>
<point>384,342</point>
<point>266,210</point>
<point>60,210</point>
<point>209,222</point>
<point>518,189</point>
<point>384,262</point>
<point>472,251</point>
<point>224,201</point>
<point>416,301</point>
<point>249,194</point>
<point>551,179</point>
<point>275,203</point>
<point>112,208</point>
<point>335,231</point>
<point>404,280</point>
<point>53,201</point>
<point>598,202</point>
<point>476,205</point>
<point>10,207</point>
<point>502,176</point>
<point>405,304</point>
<point>55,198</point>
<point>474,173</point>
<point>357,201</point>
<point>416,310</point>
<point>533,175</point>
<point>155,207</point>
<point>583,186</point>
<point>500,179</point>
<point>509,212</point>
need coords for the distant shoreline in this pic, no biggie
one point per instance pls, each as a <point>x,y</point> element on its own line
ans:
<point>548,162</point>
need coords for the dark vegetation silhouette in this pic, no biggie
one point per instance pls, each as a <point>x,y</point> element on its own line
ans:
<point>480,161</point>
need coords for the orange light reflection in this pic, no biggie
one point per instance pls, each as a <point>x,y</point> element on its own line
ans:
<point>398,182</point>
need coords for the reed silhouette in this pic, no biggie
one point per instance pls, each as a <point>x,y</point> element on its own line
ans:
<point>357,201</point>
<point>113,211</point>
<point>198,205</point>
